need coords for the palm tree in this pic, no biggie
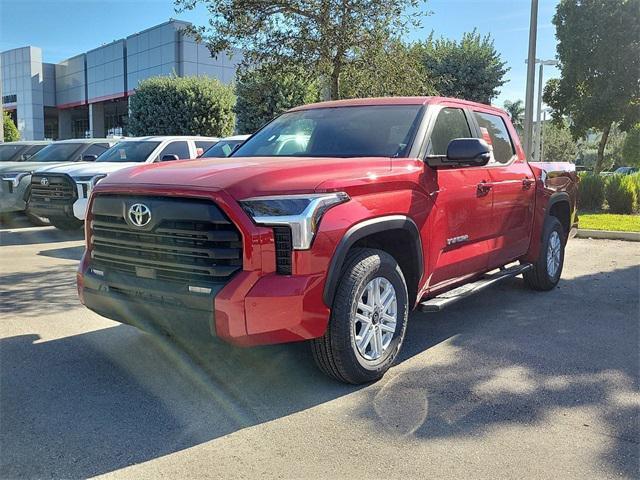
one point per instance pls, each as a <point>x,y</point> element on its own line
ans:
<point>516,112</point>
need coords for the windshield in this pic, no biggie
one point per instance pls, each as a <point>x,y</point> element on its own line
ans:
<point>10,152</point>
<point>221,149</point>
<point>57,152</point>
<point>362,131</point>
<point>128,152</point>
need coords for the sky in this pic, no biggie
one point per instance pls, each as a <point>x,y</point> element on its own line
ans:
<point>64,28</point>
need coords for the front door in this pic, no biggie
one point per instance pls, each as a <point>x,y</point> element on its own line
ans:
<point>461,227</point>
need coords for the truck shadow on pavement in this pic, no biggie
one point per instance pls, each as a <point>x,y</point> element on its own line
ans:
<point>96,402</point>
<point>37,235</point>
<point>39,293</point>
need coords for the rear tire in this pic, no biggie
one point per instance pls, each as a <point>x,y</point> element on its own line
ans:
<point>368,319</point>
<point>66,223</point>
<point>547,269</point>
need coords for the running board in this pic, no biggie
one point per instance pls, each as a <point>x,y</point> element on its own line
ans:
<point>437,304</point>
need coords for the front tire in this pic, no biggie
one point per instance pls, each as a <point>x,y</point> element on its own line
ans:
<point>66,223</point>
<point>368,319</point>
<point>547,269</point>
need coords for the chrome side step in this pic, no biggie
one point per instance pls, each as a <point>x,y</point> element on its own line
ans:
<point>436,304</point>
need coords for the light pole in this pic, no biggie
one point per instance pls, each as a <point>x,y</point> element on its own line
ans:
<point>528,102</point>
<point>537,147</point>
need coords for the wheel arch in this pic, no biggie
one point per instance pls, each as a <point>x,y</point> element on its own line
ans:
<point>559,206</point>
<point>375,233</point>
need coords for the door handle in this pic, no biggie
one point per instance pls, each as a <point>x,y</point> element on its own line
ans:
<point>527,183</point>
<point>483,188</point>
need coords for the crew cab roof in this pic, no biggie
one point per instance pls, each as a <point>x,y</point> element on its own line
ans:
<point>354,102</point>
<point>161,138</point>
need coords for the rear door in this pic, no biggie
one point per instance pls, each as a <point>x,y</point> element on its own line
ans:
<point>513,190</point>
<point>461,227</point>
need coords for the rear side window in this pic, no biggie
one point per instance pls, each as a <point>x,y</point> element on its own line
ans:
<point>181,149</point>
<point>451,123</point>
<point>494,131</point>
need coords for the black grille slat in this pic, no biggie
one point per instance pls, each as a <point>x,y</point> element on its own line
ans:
<point>60,189</point>
<point>206,250</point>
<point>284,249</point>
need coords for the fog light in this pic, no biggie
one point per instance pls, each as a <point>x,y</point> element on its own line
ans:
<point>100,273</point>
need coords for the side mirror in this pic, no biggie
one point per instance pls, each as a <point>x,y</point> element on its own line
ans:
<point>89,158</point>
<point>463,152</point>
<point>169,157</point>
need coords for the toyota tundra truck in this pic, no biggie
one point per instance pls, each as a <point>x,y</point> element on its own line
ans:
<point>329,225</point>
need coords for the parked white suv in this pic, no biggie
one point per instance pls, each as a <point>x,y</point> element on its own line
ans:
<point>61,193</point>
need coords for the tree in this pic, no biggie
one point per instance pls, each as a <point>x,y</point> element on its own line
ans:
<point>631,148</point>
<point>516,112</point>
<point>11,133</point>
<point>558,144</point>
<point>384,67</point>
<point>316,35</point>
<point>182,106</point>
<point>599,56</point>
<point>471,69</point>
<point>266,92</point>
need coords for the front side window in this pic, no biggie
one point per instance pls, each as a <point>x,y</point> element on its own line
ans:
<point>128,152</point>
<point>359,131</point>
<point>181,149</point>
<point>494,131</point>
<point>58,152</point>
<point>32,150</point>
<point>451,123</point>
<point>222,149</point>
<point>96,149</point>
<point>10,152</point>
<point>202,146</point>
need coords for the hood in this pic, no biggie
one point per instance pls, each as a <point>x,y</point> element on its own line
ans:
<point>87,168</point>
<point>6,167</point>
<point>244,177</point>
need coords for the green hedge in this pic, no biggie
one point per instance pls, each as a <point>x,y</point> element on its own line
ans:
<point>620,193</point>
<point>182,106</point>
<point>11,133</point>
<point>590,191</point>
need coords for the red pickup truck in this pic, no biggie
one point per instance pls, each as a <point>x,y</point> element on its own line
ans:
<point>330,224</point>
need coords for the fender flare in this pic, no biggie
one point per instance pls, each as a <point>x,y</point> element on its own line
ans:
<point>364,229</point>
<point>557,197</point>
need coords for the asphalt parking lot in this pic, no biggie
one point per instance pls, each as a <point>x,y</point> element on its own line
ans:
<point>510,384</point>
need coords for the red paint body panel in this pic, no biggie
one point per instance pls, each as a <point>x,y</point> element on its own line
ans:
<point>259,306</point>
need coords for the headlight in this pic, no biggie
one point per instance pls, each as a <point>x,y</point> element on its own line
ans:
<point>92,179</point>
<point>302,213</point>
<point>14,178</point>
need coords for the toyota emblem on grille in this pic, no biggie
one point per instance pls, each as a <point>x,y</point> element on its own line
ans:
<point>44,181</point>
<point>139,214</point>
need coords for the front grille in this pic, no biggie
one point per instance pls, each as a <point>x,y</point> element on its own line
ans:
<point>188,240</point>
<point>55,190</point>
<point>284,247</point>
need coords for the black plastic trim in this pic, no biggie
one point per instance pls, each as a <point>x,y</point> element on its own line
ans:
<point>364,229</point>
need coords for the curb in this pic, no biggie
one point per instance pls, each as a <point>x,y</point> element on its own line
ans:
<point>609,235</point>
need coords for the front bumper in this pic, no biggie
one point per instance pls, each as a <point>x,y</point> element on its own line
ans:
<point>12,199</point>
<point>249,310</point>
<point>147,305</point>
<point>255,306</point>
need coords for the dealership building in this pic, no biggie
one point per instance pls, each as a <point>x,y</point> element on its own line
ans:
<point>87,95</point>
